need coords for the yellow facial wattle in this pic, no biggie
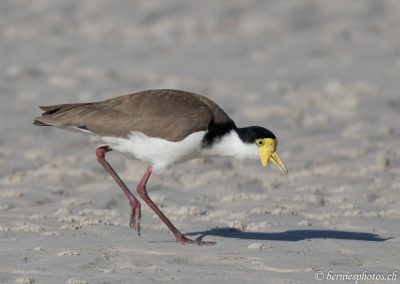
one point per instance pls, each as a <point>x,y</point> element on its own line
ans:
<point>268,152</point>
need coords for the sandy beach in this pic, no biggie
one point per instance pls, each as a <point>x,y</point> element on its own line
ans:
<point>322,75</point>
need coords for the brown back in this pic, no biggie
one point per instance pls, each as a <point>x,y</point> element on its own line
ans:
<point>167,114</point>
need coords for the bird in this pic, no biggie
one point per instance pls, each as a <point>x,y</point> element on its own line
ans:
<point>162,127</point>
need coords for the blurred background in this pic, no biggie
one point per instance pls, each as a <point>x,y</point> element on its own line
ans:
<point>253,57</point>
<point>323,75</point>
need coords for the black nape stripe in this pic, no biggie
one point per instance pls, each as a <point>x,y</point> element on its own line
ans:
<point>246,134</point>
<point>216,131</point>
<point>251,133</point>
<point>83,127</point>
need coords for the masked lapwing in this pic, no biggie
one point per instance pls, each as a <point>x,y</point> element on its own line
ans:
<point>162,128</point>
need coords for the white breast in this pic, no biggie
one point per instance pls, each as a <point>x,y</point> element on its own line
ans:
<point>158,152</point>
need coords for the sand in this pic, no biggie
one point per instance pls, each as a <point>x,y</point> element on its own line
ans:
<point>323,75</point>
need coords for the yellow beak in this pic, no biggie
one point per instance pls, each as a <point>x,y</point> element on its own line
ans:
<point>268,152</point>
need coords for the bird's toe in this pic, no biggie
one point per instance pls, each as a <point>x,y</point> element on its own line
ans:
<point>185,240</point>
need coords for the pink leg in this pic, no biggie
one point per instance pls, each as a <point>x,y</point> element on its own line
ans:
<point>141,189</point>
<point>134,221</point>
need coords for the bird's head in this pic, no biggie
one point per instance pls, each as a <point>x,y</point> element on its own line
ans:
<point>265,142</point>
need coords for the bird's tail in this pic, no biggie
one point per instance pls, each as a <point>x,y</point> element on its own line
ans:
<point>37,122</point>
<point>54,115</point>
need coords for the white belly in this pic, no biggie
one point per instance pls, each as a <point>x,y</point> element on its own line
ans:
<point>158,152</point>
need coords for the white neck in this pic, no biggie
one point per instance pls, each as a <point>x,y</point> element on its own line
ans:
<point>230,145</point>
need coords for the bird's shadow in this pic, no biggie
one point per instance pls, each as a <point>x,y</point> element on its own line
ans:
<point>292,235</point>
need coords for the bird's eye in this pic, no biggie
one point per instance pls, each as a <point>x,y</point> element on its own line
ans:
<point>260,142</point>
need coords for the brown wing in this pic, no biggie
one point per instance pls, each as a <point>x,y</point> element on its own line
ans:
<point>168,114</point>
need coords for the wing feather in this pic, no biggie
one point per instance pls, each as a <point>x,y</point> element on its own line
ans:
<point>167,114</point>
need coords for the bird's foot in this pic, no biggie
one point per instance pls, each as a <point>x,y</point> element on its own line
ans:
<point>136,215</point>
<point>184,240</point>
